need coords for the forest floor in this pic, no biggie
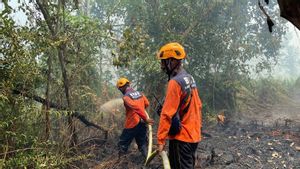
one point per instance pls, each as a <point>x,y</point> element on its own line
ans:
<point>269,140</point>
<point>231,146</point>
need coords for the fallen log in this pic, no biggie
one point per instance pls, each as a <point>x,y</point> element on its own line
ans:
<point>75,114</point>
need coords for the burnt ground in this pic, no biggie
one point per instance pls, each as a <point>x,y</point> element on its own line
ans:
<point>251,146</point>
<point>267,138</point>
<point>231,146</point>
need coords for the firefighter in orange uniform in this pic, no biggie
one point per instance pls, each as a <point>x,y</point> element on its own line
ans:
<point>135,128</point>
<point>181,117</point>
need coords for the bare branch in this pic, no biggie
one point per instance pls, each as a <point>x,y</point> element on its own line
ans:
<point>46,15</point>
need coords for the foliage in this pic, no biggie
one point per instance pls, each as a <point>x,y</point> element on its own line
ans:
<point>270,91</point>
<point>105,39</point>
<point>262,94</point>
<point>223,43</point>
<point>20,144</point>
<point>25,52</point>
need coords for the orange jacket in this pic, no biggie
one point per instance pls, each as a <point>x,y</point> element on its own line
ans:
<point>191,121</point>
<point>135,107</point>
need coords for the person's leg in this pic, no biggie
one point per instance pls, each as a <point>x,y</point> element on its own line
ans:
<point>182,154</point>
<point>174,154</point>
<point>125,140</point>
<point>187,154</point>
<point>141,138</point>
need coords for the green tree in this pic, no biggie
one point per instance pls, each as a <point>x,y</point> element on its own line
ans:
<point>55,56</point>
<point>223,40</point>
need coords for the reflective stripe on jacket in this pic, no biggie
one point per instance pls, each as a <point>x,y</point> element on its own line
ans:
<point>135,104</point>
<point>192,119</point>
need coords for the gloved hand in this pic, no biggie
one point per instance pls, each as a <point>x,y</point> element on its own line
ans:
<point>149,121</point>
<point>160,147</point>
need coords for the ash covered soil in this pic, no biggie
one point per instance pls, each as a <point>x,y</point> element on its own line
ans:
<point>231,146</point>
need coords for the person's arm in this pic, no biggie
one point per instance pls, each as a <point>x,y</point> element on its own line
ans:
<point>146,101</point>
<point>199,104</point>
<point>169,109</point>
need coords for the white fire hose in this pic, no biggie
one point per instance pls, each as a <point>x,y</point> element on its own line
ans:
<point>151,155</point>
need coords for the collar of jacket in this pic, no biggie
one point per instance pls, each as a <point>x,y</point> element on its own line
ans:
<point>182,70</point>
<point>128,89</point>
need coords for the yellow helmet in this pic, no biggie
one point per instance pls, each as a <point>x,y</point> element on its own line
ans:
<point>121,82</point>
<point>171,50</point>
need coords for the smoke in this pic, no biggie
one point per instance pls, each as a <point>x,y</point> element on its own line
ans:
<point>114,106</point>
